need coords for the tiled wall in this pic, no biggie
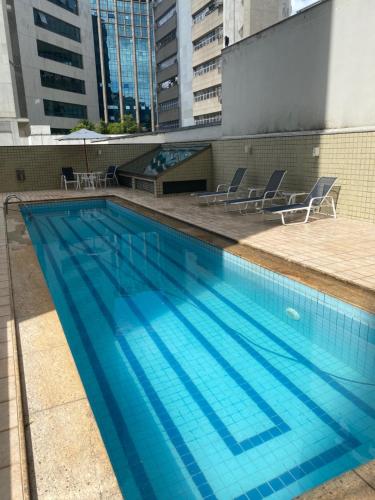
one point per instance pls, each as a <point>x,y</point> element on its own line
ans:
<point>350,157</point>
<point>42,164</point>
<point>198,167</point>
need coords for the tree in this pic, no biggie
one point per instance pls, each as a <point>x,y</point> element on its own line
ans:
<point>84,124</point>
<point>101,127</point>
<point>114,128</point>
<point>129,124</point>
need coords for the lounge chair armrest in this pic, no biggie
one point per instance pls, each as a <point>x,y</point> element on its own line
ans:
<point>255,190</point>
<point>316,198</point>
<point>233,188</point>
<point>275,191</point>
<point>292,197</point>
<point>222,187</point>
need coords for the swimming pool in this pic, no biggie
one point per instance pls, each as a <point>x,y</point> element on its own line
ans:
<point>209,377</point>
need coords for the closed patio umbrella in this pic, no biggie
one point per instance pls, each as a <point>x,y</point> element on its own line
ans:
<point>82,135</point>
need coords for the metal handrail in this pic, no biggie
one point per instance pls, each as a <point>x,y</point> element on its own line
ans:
<point>7,200</point>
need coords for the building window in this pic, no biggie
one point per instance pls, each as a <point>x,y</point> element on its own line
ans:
<point>166,17</point>
<point>168,125</point>
<point>71,5</point>
<point>55,25</point>
<point>165,40</point>
<point>167,84</point>
<point>167,62</point>
<point>207,67</point>
<point>55,53</point>
<point>59,131</point>
<point>206,11</point>
<point>122,47</point>
<point>209,93</point>
<point>64,109</point>
<point>62,82</point>
<point>167,105</point>
<point>210,119</point>
<point>211,37</point>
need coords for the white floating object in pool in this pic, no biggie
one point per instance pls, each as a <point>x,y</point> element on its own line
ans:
<point>293,314</point>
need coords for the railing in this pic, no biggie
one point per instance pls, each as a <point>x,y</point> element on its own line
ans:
<point>7,200</point>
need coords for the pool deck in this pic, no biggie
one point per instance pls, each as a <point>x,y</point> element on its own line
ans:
<point>338,253</point>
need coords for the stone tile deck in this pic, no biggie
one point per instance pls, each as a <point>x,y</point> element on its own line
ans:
<point>342,248</point>
<point>13,471</point>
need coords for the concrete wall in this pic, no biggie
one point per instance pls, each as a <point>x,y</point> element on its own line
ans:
<point>8,104</point>
<point>312,71</point>
<point>7,98</point>
<point>185,67</point>
<point>42,164</point>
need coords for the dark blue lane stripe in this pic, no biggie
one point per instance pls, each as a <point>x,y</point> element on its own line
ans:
<point>168,424</point>
<point>293,475</point>
<point>301,470</point>
<point>280,377</point>
<point>119,424</point>
<point>300,357</point>
<point>280,427</point>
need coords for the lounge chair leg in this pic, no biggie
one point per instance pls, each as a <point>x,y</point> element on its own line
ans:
<point>307,217</point>
<point>333,208</point>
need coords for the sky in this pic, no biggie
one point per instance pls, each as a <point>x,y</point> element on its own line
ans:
<point>300,4</point>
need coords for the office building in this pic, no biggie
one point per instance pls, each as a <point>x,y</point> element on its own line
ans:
<point>47,65</point>
<point>124,49</point>
<point>218,23</point>
<point>174,63</point>
<point>189,36</point>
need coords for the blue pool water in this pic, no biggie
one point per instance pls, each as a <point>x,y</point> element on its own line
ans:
<point>201,383</point>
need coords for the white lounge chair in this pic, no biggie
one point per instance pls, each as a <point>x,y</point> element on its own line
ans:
<point>223,191</point>
<point>267,194</point>
<point>318,196</point>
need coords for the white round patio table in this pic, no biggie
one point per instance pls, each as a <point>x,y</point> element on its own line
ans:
<point>87,180</point>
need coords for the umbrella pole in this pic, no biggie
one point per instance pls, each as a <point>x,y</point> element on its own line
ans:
<point>87,163</point>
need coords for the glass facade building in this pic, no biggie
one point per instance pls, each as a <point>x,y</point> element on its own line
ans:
<point>125,60</point>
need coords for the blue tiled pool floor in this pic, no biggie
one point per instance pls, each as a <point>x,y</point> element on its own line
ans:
<point>201,384</point>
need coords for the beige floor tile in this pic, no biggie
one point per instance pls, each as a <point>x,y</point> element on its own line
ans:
<point>7,388</point>
<point>346,487</point>
<point>5,311</point>
<point>40,333</point>
<point>68,435</point>
<point>367,473</point>
<point>5,334</point>
<point>4,300</point>
<point>51,378</point>
<point>8,415</point>
<point>9,447</point>
<point>11,483</point>
<point>6,349</point>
